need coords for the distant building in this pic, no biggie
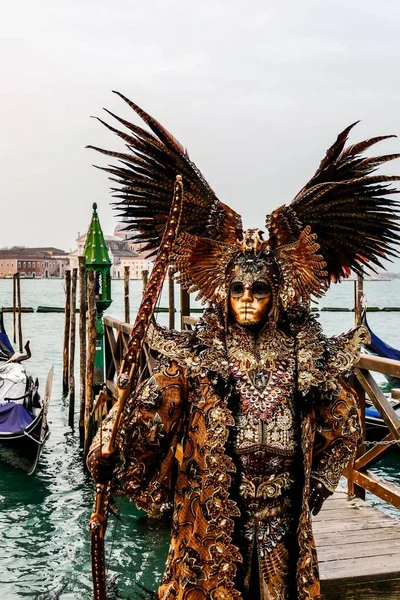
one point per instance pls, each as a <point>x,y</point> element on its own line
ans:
<point>136,247</point>
<point>122,251</point>
<point>8,263</point>
<point>47,262</point>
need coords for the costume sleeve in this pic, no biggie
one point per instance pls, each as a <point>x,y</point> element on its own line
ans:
<point>337,434</point>
<point>150,431</point>
<point>323,364</point>
<point>338,429</point>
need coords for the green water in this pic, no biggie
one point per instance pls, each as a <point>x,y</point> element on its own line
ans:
<point>44,541</point>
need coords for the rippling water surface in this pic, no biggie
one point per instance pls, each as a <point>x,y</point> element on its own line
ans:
<point>44,542</point>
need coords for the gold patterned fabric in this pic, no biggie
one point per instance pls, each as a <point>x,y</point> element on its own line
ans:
<point>257,418</point>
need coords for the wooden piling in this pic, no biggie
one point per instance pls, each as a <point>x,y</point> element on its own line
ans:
<point>72,336</point>
<point>185,306</point>
<point>67,326</point>
<point>19,312</point>
<point>91,352</point>
<point>145,278</point>
<point>126,294</point>
<point>355,302</point>
<point>171,299</point>
<point>82,347</point>
<point>15,308</point>
<point>360,295</point>
<point>358,299</point>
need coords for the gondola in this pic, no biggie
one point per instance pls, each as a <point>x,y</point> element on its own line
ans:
<point>381,348</point>
<point>23,415</point>
<point>378,347</point>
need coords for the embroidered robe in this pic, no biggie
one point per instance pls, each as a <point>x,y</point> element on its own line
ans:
<point>255,420</point>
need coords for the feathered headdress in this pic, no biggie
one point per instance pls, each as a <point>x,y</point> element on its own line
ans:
<point>341,220</point>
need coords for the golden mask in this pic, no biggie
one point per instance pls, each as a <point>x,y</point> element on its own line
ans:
<point>250,301</point>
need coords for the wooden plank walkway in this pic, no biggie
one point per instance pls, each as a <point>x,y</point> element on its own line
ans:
<point>358,551</point>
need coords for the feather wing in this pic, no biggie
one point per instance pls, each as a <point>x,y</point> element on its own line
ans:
<point>144,176</point>
<point>348,207</point>
<point>201,265</point>
<point>303,270</point>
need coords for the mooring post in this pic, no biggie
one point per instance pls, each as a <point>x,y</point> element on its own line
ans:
<point>19,312</point>
<point>355,303</point>
<point>145,277</point>
<point>72,337</point>
<point>82,346</point>
<point>91,353</point>
<point>67,327</point>
<point>185,306</point>
<point>358,299</point>
<point>126,294</point>
<point>171,299</point>
<point>15,308</point>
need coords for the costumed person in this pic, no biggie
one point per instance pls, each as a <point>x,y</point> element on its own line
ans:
<point>256,396</point>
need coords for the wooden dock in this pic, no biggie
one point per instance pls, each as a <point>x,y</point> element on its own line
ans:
<point>358,550</point>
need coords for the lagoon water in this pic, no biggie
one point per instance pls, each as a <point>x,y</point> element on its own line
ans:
<point>44,540</point>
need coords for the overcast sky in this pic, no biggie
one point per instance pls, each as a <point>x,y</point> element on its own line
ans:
<point>255,90</point>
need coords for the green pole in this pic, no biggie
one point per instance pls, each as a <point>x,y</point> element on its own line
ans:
<point>99,356</point>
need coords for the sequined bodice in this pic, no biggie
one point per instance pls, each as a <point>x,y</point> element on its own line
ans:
<point>266,436</point>
<point>266,453</point>
<point>266,447</point>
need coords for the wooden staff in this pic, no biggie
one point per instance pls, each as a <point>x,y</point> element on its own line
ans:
<point>126,381</point>
<point>82,346</point>
<point>91,352</point>
<point>15,308</point>
<point>19,312</point>
<point>67,327</point>
<point>171,299</point>
<point>72,337</point>
<point>126,295</point>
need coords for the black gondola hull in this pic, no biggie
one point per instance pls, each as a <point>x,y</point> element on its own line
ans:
<point>23,449</point>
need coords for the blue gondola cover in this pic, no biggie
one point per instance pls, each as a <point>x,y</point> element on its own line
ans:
<point>372,412</point>
<point>14,418</point>
<point>6,342</point>
<point>379,347</point>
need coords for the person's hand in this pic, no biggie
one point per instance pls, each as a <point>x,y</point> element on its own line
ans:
<point>100,467</point>
<point>318,494</point>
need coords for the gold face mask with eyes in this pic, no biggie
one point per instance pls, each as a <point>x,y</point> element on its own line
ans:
<point>252,284</point>
<point>250,301</point>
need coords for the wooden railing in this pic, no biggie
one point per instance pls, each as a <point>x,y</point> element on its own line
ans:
<point>116,336</point>
<point>359,478</point>
<point>188,322</point>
